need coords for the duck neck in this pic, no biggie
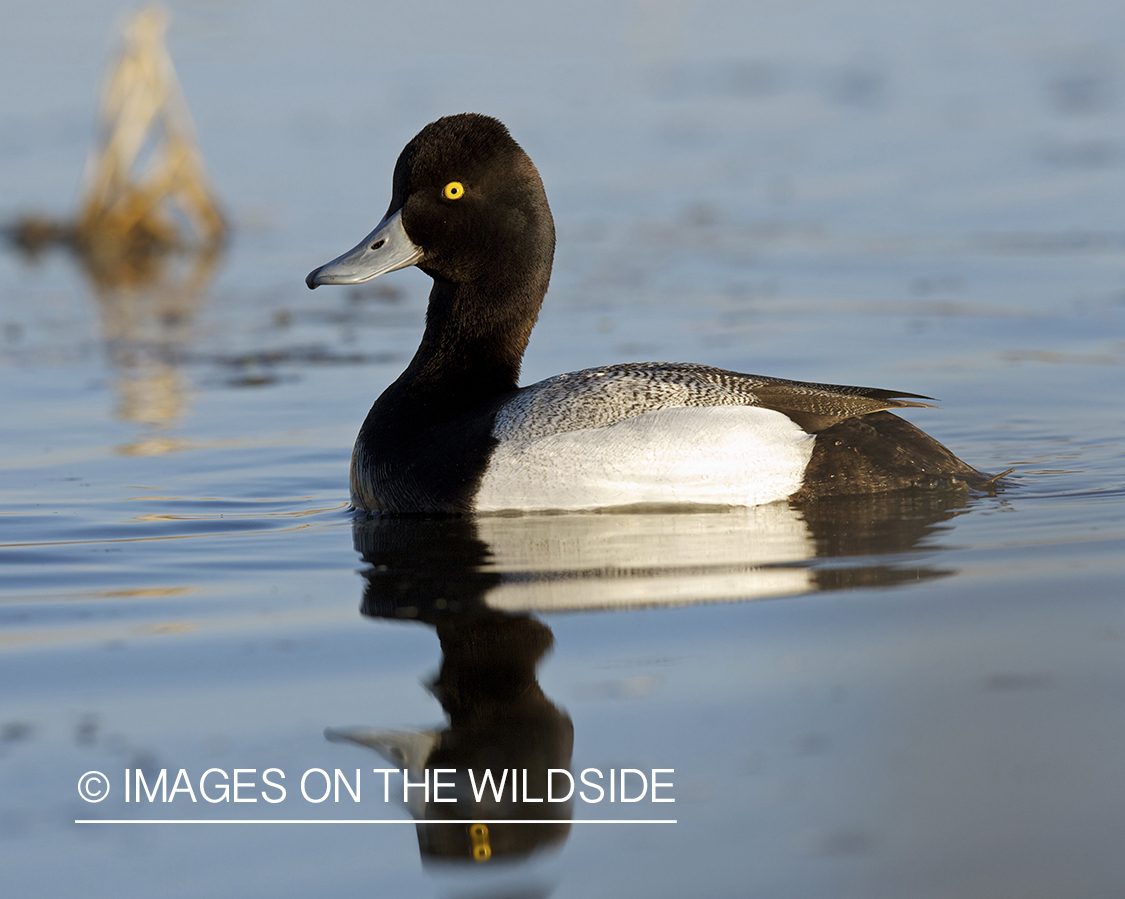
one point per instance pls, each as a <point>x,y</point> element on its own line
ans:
<point>473,345</point>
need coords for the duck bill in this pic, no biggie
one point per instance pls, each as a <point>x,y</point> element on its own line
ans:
<point>385,249</point>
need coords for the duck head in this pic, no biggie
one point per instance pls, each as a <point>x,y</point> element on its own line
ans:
<point>467,207</point>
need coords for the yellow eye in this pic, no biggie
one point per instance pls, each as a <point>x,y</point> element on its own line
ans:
<point>454,190</point>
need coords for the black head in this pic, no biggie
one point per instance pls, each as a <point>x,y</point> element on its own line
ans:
<point>472,199</point>
<point>472,208</point>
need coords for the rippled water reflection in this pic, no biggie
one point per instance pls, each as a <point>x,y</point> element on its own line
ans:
<point>909,695</point>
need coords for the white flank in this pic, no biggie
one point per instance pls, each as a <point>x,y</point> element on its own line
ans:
<point>712,455</point>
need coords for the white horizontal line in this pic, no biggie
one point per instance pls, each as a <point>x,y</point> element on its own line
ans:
<point>369,821</point>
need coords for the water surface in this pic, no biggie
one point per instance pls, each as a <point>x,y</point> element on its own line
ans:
<point>907,696</point>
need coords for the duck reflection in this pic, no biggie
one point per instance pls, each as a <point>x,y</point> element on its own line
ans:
<point>477,582</point>
<point>500,722</point>
<point>581,561</point>
<point>862,541</point>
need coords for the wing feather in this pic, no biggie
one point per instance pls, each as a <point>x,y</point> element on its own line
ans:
<point>597,397</point>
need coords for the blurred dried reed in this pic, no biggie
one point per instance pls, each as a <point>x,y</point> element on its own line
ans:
<point>145,192</point>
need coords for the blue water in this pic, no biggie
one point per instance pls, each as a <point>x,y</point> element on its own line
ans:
<point>910,698</point>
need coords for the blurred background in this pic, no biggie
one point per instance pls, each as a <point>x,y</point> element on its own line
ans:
<point>924,197</point>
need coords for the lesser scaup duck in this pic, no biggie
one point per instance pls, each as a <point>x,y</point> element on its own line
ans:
<point>455,434</point>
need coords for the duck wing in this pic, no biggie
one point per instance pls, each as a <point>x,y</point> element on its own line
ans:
<point>599,397</point>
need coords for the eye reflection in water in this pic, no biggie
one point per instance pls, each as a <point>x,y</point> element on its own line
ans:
<point>478,582</point>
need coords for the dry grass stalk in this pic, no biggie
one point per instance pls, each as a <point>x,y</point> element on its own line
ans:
<point>124,212</point>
